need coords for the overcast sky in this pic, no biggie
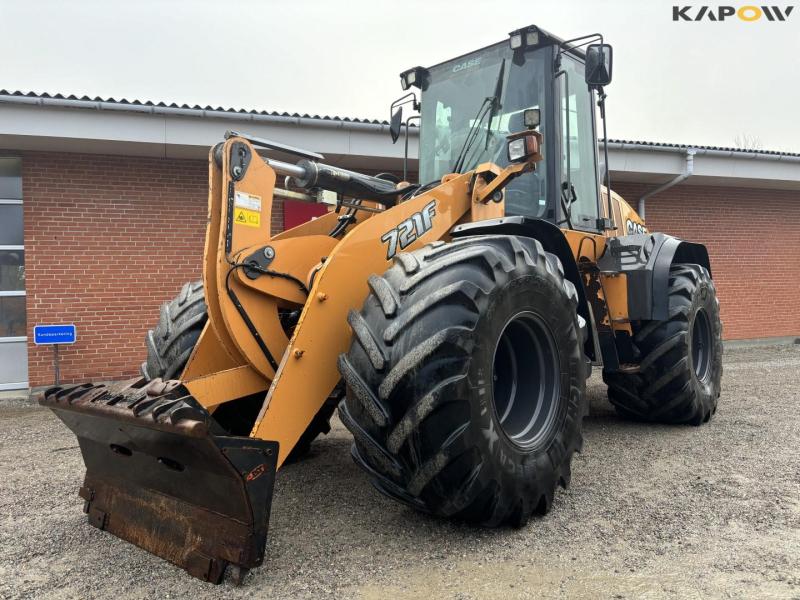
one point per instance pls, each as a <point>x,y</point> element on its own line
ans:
<point>702,83</point>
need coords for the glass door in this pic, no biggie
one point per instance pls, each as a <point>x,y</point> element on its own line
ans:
<point>579,182</point>
<point>13,326</point>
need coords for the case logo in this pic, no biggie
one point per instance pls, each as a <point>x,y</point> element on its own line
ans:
<point>633,228</point>
<point>467,64</point>
<point>409,230</point>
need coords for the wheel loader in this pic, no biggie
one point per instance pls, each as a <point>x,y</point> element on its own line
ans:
<point>451,322</point>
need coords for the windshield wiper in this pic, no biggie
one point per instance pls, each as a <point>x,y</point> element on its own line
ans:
<point>490,105</point>
<point>496,104</point>
<point>472,135</point>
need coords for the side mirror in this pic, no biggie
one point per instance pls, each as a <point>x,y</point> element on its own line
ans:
<point>396,124</point>
<point>598,64</point>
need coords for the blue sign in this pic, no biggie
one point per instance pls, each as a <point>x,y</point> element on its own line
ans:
<point>54,334</point>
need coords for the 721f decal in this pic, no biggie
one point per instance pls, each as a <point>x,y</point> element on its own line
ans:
<point>409,230</point>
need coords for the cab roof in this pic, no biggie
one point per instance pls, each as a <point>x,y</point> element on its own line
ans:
<point>545,39</point>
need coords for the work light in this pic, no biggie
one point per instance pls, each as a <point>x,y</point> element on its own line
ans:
<point>413,77</point>
<point>524,38</point>
<point>531,117</point>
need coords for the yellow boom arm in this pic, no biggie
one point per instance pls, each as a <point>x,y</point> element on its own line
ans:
<point>244,349</point>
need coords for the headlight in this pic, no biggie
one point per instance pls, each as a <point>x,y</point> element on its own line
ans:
<point>522,147</point>
<point>516,149</point>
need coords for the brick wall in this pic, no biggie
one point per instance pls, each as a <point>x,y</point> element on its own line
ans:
<point>109,238</point>
<point>752,236</point>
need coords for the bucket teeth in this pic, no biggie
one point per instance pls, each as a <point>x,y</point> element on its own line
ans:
<point>162,474</point>
<point>162,402</point>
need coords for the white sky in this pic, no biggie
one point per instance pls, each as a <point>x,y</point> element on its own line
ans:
<point>702,83</point>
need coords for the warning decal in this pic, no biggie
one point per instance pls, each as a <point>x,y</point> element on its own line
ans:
<point>251,218</point>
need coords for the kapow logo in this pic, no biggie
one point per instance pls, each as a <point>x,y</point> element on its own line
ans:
<point>747,13</point>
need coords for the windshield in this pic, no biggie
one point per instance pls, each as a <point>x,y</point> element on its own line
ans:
<point>451,106</point>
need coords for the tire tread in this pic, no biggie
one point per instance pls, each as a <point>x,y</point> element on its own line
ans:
<point>662,390</point>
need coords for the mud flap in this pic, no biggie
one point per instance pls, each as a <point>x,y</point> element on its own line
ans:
<point>160,473</point>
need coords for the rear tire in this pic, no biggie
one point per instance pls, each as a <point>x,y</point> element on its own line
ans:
<point>680,359</point>
<point>466,379</point>
<point>170,344</point>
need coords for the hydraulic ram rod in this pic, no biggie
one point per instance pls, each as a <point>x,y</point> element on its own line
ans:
<point>284,168</point>
<point>309,174</point>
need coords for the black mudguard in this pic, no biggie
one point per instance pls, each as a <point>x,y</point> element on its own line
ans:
<point>646,259</point>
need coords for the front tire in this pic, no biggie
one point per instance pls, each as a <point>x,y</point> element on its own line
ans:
<point>680,359</point>
<point>466,379</point>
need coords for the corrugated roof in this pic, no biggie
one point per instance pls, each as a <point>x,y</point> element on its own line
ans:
<point>703,147</point>
<point>242,111</point>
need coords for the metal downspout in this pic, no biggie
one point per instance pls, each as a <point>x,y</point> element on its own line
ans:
<point>690,152</point>
<point>688,171</point>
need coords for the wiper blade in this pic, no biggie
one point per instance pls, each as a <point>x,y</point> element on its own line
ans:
<point>471,134</point>
<point>496,102</point>
<point>489,106</point>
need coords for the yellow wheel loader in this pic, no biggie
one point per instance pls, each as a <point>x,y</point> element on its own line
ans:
<point>452,322</point>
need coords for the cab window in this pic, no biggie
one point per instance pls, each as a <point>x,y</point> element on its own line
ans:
<point>450,106</point>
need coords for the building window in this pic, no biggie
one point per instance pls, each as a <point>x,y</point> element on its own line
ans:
<point>13,326</point>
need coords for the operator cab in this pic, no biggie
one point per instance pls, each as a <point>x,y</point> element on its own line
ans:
<point>470,104</point>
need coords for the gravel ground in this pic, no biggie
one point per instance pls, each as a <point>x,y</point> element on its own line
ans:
<point>653,511</point>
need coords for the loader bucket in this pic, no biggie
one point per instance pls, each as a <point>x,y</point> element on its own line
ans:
<point>160,473</point>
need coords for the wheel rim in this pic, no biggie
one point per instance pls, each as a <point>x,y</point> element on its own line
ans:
<point>701,345</point>
<point>526,387</point>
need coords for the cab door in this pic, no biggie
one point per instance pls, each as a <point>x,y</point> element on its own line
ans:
<point>579,186</point>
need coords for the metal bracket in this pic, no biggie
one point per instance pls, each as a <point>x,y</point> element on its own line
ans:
<point>261,258</point>
<point>604,224</point>
<point>97,518</point>
<point>264,143</point>
<point>240,160</point>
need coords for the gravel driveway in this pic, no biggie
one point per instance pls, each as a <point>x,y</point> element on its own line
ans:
<point>653,511</point>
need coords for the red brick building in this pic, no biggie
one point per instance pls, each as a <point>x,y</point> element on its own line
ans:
<point>106,201</point>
